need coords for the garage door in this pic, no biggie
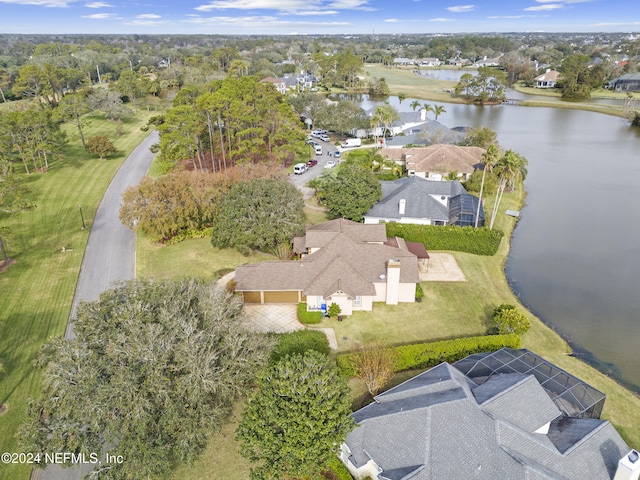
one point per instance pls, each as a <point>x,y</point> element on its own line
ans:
<point>251,297</point>
<point>281,297</point>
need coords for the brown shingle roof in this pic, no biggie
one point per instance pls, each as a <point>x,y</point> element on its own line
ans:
<point>344,262</point>
<point>441,158</point>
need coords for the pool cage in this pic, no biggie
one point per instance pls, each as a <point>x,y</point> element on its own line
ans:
<point>571,395</point>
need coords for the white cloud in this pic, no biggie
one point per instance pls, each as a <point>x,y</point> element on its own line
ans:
<point>548,6</point>
<point>395,20</point>
<point>146,23</point>
<point>629,24</point>
<point>289,6</point>
<point>461,8</point>
<point>256,21</point>
<point>98,5</point>
<point>441,19</point>
<point>41,3</point>
<point>315,12</point>
<point>148,16</point>
<point>100,16</point>
<point>564,1</point>
<point>257,5</point>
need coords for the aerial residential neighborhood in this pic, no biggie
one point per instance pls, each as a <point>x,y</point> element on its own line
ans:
<point>316,255</point>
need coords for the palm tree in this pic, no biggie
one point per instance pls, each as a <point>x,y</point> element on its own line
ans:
<point>427,108</point>
<point>414,105</point>
<point>438,109</point>
<point>510,167</point>
<point>401,97</point>
<point>490,158</point>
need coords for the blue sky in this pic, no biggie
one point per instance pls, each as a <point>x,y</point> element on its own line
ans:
<point>317,16</point>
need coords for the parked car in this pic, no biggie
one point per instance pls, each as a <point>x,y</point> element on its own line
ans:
<point>300,168</point>
<point>330,164</point>
<point>312,163</point>
<point>337,154</point>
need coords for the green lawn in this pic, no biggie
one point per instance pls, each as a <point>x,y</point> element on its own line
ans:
<point>190,258</point>
<point>38,289</point>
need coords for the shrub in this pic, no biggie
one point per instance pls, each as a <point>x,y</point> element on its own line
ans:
<point>479,241</point>
<point>336,470</point>
<point>334,310</point>
<point>308,318</point>
<point>508,319</point>
<point>423,355</point>
<point>298,342</point>
<point>419,291</point>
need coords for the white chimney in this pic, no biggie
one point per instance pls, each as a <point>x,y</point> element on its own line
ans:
<point>423,114</point>
<point>393,282</point>
<point>628,467</point>
<point>401,207</point>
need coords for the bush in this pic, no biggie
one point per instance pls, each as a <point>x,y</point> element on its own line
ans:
<point>334,310</point>
<point>479,241</point>
<point>419,291</point>
<point>298,342</point>
<point>308,318</point>
<point>508,319</point>
<point>424,355</point>
<point>336,470</point>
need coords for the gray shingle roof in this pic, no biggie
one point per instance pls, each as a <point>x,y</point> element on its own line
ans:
<point>418,194</point>
<point>442,425</point>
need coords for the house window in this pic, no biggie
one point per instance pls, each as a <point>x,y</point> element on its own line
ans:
<point>357,301</point>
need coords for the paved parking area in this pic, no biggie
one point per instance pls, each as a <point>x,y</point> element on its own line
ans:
<point>280,319</point>
<point>442,268</point>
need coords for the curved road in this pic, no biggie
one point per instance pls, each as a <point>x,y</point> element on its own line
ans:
<point>110,253</point>
<point>110,256</point>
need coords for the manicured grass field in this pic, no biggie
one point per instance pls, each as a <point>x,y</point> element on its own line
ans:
<point>37,291</point>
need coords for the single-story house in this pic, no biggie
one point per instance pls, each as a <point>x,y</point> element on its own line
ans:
<point>431,132</point>
<point>626,83</point>
<point>425,202</point>
<point>341,262</point>
<point>548,79</point>
<point>407,121</point>
<point>508,415</point>
<point>430,62</point>
<point>437,161</point>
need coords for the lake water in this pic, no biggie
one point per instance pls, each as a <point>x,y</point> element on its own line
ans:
<point>575,256</point>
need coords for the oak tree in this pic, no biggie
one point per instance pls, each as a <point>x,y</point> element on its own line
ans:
<point>153,369</point>
<point>296,419</point>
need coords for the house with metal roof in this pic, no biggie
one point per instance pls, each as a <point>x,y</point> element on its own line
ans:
<point>425,202</point>
<point>342,262</point>
<point>629,82</point>
<point>504,424</point>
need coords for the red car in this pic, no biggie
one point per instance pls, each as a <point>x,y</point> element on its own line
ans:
<point>312,163</point>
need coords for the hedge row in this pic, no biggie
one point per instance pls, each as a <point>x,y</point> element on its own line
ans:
<point>423,355</point>
<point>308,318</point>
<point>480,241</point>
<point>299,342</point>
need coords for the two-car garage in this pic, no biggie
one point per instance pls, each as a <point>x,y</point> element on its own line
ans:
<point>269,297</point>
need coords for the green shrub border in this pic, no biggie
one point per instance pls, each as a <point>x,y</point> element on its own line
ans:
<point>423,355</point>
<point>479,241</point>
<point>308,318</point>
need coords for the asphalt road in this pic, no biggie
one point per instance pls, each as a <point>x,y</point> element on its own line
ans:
<point>317,170</point>
<point>110,252</point>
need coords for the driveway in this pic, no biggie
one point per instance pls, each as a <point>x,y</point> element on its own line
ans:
<point>314,172</point>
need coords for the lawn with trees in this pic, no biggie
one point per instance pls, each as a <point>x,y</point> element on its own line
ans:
<point>153,364</point>
<point>38,288</point>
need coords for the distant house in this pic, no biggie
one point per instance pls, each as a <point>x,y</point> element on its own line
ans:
<point>407,120</point>
<point>430,62</point>
<point>460,62</point>
<point>548,79</point>
<point>403,61</point>
<point>342,262</point>
<point>280,84</point>
<point>419,201</point>
<point>437,161</point>
<point>626,83</point>
<point>487,62</point>
<point>509,414</point>
<point>425,134</point>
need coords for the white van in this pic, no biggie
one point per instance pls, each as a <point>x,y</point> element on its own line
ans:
<point>300,168</point>
<point>318,149</point>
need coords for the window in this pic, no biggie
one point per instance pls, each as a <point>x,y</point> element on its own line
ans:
<point>357,301</point>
